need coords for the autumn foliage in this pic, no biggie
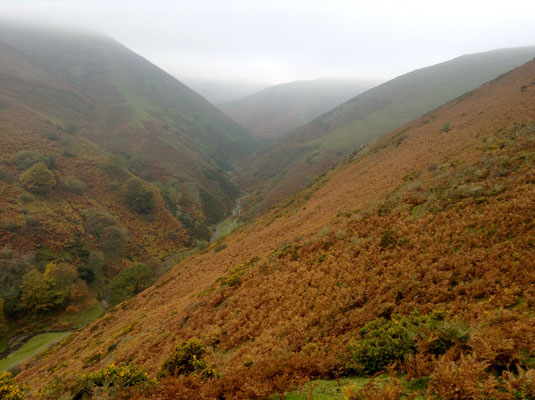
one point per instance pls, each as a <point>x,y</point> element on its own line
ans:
<point>441,224</point>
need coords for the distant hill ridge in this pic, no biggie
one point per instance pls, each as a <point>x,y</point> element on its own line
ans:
<point>276,171</point>
<point>276,110</point>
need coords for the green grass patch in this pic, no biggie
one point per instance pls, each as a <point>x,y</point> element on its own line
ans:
<point>174,258</point>
<point>227,226</point>
<point>133,96</point>
<point>87,316</point>
<point>417,211</point>
<point>31,348</point>
<point>330,389</point>
<point>326,389</point>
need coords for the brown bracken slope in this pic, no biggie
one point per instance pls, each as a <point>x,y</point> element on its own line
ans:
<point>437,214</point>
<point>60,214</point>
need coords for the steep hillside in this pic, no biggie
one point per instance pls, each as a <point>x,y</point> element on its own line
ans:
<point>437,216</point>
<point>297,158</point>
<point>83,182</point>
<point>103,92</point>
<point>86,176</point>
<point>73,223</point>
<point>110,170</point>
<point>272,112</point>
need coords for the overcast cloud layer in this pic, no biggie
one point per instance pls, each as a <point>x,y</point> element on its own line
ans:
<point>278,41</point>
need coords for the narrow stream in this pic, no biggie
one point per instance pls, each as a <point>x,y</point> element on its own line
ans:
<point>235,213</point>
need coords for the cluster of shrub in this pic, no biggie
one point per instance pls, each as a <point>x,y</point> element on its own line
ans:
<point>381,343</point>
<point>36,176</point>
<point>24,287</point>
<point>435,356</point>
<point>137,194</point>
<point>405,341</point>
<point>11,390</point>
<point>43,282</point>
<point>125,379</point>
<point>385,341</point>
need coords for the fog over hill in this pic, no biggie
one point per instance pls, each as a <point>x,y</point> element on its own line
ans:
<point>277,110</point>
<point>218,92</point>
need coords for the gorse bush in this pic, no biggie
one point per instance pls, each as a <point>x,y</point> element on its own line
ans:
<point>187,358</point>
<point>124,375</point>
<point>26,158</point>
<point>117,376</point>
<point>73,184</point>
<point>446,127</point>
<point>38,179</point>
<point>97,220</point>
<point>384,341</point>
<point>11,390</point>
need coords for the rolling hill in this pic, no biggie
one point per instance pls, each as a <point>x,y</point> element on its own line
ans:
<point>165,132</point>
<point>274,111</point>
<point>110,170</point>
<point>276,171</point>
<point>437,216</point>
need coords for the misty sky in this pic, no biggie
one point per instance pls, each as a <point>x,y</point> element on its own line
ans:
<point>277,41</point>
